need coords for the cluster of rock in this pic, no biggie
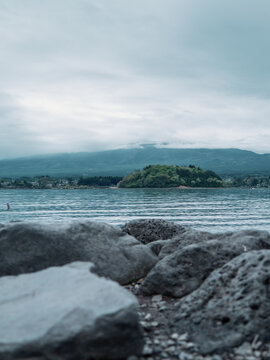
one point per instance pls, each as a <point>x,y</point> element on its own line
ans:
<point>149,290</point>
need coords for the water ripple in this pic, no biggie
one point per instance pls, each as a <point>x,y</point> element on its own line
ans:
<point>205,209</point>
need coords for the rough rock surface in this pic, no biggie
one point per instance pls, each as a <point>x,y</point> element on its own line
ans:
<point>183,271</point>
<point>163,341</point>
<point>156,246</point>
<point>189,237</point>
<point>148,230</point>
<point>26,247</point>
<point>231,306</point>
<point>67,313</point>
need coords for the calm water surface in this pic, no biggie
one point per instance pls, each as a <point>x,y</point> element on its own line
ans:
<point>206,209</point>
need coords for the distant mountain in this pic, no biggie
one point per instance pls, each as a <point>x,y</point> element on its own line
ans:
<point>123,161</point>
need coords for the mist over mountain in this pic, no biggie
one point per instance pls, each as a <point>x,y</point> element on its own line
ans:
<point>123,161</point>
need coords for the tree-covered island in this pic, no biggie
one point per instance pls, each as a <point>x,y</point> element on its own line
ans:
<point>163,176</point>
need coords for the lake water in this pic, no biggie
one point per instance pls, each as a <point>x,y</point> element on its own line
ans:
<point>205,209</point>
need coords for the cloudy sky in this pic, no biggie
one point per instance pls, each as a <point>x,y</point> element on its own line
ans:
<point>87,75</point>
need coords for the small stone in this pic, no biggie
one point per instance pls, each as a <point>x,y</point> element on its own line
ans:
<point>154,323</point>
<point>147,350</point>
<point>148,317</point>
<point>244,349</point>
<point>156,298</point>
<point>162,308</point>
<point>164,355</point>
<point>171,349</point>
<point>183,337</point>
<point>257,345</point>
<point>143,305</point>
<point>185,356</point>
<point>157,349</point>
<point>174,336</point>
<point>161,303</point>
<point>216,357</point>
<point>170,342</point>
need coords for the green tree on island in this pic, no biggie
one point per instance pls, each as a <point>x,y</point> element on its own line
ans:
<point>162,176</point>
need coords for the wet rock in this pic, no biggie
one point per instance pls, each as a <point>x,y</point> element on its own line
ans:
<point>183,271</point>
<point>148,230</point>
<point>26,247</point>
<point>67,313</point>
<point>231,306</point>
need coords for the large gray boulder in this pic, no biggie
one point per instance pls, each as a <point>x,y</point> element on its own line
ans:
<point>29,247</point>
<point>189,237</point>
<point>184,270</point>
<point>232,306</point>
<point>162,248</point>
<point>148,230</point>
<point>66,313</point>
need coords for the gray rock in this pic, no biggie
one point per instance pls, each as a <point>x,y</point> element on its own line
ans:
<point>148,230</point>
<point>231,306</point>
<point>65,313</point>
<point>183,271</point>
<point>190,237</point>
<point>26,247</point>
<point>156,246</point>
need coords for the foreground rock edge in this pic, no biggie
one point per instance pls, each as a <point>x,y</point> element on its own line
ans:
<point>67,312</point>
<point>231,306</point>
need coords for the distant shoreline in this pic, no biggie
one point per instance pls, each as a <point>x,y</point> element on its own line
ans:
<point>138,188</point>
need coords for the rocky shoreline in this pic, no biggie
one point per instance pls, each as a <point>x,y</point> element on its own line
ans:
<point>149,290</point>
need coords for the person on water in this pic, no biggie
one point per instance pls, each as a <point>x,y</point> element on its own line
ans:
<point>8,207</point>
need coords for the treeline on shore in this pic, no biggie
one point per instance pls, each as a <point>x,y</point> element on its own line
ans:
<point>250,181</point>
<point>152,176</point>
<point>48,182</point>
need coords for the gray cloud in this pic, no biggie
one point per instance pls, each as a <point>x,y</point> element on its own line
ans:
<point>88,75</point>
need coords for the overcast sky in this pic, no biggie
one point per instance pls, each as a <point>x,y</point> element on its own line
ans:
<point>88,75</point>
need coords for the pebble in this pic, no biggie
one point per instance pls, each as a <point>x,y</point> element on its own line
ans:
<point>183,337</point>
<point>156,298</point>
<point>244,349</point>
<point>147,350</point>
<point>148,317</point>
<point>216,357</point>
<point>257,345</point>
<point>185,356</point>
